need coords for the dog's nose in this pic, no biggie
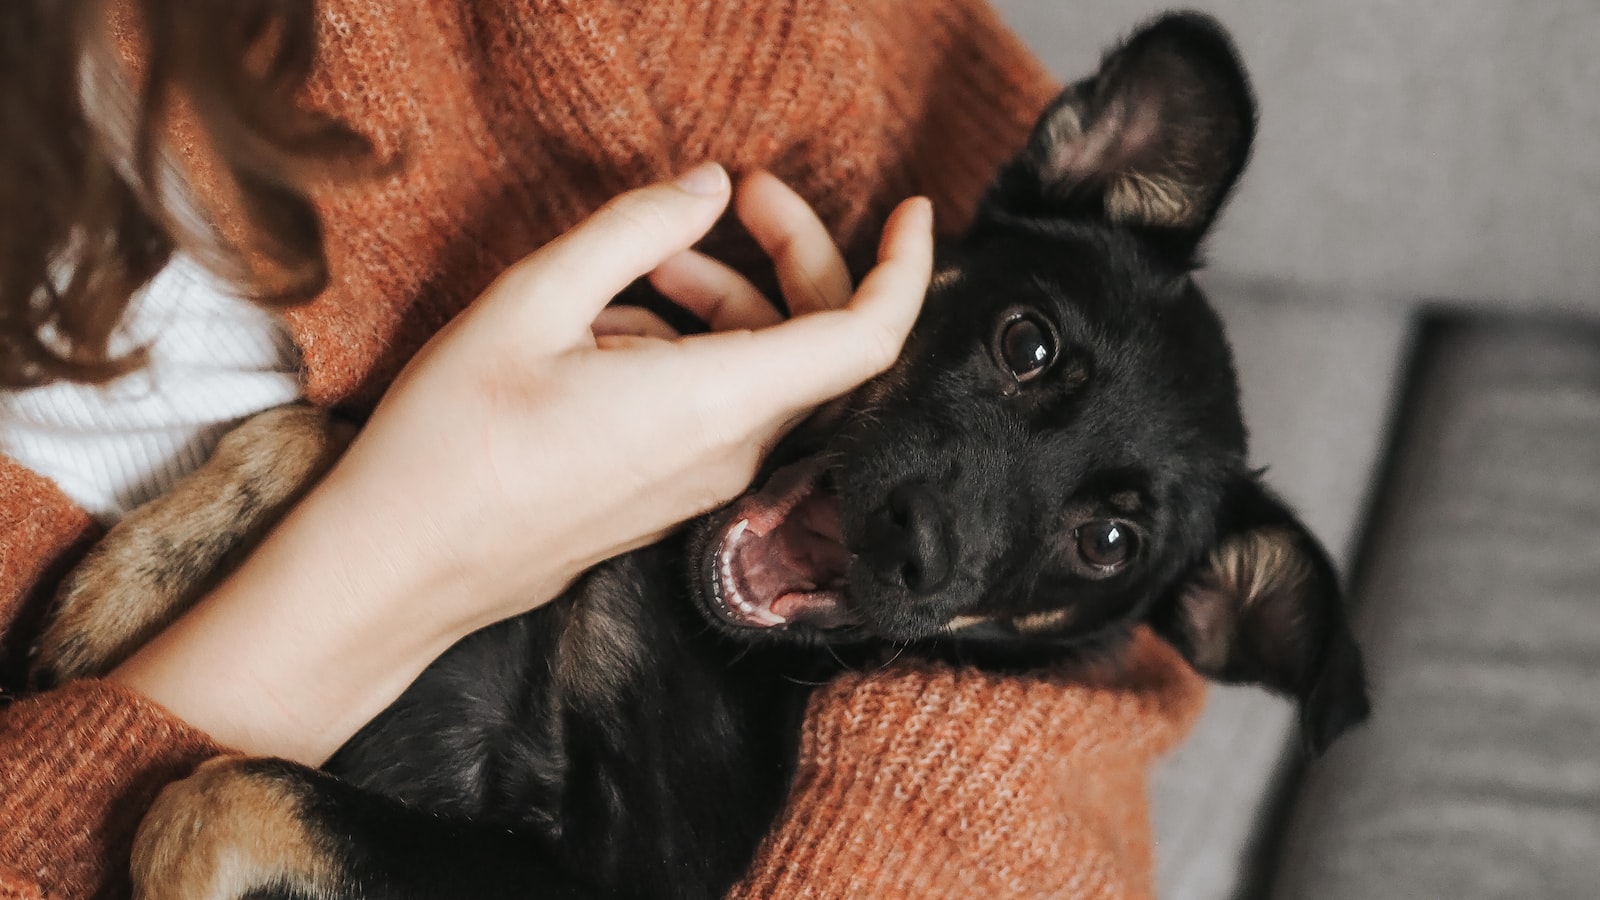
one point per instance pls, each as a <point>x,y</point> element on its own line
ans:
<point>908,544</point>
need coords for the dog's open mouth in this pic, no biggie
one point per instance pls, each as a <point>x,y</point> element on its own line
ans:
<point>777,558</point>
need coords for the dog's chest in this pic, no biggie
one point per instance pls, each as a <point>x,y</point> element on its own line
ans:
<point>611,723</point>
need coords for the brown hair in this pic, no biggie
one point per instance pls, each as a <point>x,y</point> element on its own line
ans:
<point>88,214</point>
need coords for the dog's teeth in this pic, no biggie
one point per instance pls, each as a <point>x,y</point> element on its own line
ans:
<point>727,592</point>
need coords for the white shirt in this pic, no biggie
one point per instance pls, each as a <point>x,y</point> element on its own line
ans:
<point>214,360</point>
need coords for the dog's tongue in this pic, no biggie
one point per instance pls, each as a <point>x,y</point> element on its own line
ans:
<point>782,561</point>
<point>822,609</point>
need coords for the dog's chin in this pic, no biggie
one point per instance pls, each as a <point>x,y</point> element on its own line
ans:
<point>775,561</point>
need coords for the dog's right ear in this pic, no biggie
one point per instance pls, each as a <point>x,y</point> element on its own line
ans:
<point>1265,608</point>
<point>1152,142</point>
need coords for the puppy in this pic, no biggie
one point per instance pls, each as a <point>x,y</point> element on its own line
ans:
<point>1057,458</point>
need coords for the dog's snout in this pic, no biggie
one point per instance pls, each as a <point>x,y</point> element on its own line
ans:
<point>908,541</point>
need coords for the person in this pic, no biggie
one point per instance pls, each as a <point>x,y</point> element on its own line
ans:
<point>442,198</point>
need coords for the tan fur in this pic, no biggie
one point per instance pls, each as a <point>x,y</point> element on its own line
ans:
<point>1150,200</point>
<point>1243,571</point>
<point>1209,628</point>
<point>1131,196</point>
<point>960,622</point>
<point>1063,130</point>
<point>1125,501</point>
<point>1259,564</point>
<point>166,554</point>
<point>1030,623</point>
<point>228,829</point>
<point>1044,621</point>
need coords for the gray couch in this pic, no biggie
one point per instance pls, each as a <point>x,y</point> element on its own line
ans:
<point>1410,274</point>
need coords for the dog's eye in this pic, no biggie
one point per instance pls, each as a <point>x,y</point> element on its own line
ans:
<point>1106,545</point>
<point>1026,347</point>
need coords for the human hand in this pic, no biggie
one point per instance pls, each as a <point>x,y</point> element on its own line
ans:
<point>536,435</point>
<point>543,432</point>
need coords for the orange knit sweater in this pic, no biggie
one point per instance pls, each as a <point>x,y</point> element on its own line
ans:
<point>517,118</point>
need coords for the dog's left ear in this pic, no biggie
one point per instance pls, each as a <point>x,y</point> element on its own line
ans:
<point>1153,141</point>
<point>1265,607</point>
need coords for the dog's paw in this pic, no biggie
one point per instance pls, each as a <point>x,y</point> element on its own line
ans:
<point>164,555</point>
<point>236,828</point>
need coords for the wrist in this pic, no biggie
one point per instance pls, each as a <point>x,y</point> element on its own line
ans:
<point>320,628</point>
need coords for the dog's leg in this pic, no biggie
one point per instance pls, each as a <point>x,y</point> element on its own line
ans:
<point>166,554</point>
<point>273,830</point>
<point>234,827</point>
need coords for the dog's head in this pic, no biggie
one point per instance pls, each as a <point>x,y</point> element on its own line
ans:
<point>1059,455</point>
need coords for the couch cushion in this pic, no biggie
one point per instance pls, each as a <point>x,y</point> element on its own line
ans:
<point>1479,775</point>
<point>1317,378</point>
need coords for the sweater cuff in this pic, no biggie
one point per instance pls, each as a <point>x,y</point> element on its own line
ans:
<point>929,781</point>
<point>79,766</point>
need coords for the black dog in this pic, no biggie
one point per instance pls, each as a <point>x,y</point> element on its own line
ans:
<point>1057,458</point>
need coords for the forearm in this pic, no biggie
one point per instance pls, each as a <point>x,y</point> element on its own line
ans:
<point>321,627</point>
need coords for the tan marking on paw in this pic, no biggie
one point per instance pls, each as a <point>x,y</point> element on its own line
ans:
<point>168,553</point>
<point>230,828</point>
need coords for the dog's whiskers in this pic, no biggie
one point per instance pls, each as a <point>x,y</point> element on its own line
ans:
<point>898,650</point>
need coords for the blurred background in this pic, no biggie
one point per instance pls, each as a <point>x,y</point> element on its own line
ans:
<point>1410,274</point>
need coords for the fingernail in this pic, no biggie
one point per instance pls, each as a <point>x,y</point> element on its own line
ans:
<point>922,213</point>
<point>705,179</point>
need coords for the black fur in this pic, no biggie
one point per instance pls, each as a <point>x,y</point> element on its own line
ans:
<point>634,740</point>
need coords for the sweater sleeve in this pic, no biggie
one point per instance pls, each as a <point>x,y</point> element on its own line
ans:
<point>78,765</point>
<point>928,781</point>
<point>966,90</point>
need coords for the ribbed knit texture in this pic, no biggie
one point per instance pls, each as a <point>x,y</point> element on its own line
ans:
<point>87,758</point>
<point>929,781</point>
<point>214,360</point>
<point>516,119</point>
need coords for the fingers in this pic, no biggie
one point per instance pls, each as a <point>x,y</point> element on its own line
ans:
<point>810,269</point>
<point>715,293</point>
<point>810,359</point>
<point>631,321</point>
<point>811,272</point>
<point>891,295</point>
<point>565,284</point>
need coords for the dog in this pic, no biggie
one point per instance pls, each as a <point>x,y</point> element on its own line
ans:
<point>1057,458</point>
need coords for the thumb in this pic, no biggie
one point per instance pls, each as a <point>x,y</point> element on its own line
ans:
<point>560,288</point>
